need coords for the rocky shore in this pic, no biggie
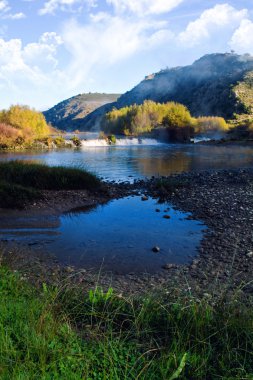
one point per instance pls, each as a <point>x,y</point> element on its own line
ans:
<point>222,200</point>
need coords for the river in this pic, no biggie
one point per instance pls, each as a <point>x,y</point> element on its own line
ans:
<point>141,158</point>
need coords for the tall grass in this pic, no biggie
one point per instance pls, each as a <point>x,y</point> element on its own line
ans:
<point>43,177</point>
<point>65,334</point>
<point>21,182</point>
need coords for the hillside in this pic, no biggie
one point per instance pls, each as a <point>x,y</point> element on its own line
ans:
<point>214,85</point>
<point>69,114</point>
<point>207,87</point>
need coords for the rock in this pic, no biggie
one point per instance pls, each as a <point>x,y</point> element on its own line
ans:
<point>157,210</point>
<point>156,249</point>
<point>144,198</point>
<point>69,269</point>
<point>166,216</point>
<point>169,266</point>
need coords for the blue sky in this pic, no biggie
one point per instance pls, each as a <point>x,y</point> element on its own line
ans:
<point>54,49</point>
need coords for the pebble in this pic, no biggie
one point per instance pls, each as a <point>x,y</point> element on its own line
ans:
<point>69,269</point>
<point>169,266</point>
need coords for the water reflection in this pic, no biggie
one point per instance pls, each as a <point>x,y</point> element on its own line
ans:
<point>119,235</point>
<point>120,162</point>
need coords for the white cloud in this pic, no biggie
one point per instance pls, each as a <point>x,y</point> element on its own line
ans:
<point>212,21</point>
<point>44,51</point>
<point>144,7</point>
<point>4,6</point>
<point>14,16</point>
<point>26,70</point>
<point>50,6</point>
<point>5,11</point>
<point>242,39</point>
<point>107,40</point>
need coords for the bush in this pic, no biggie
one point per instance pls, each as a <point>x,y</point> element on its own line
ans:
<point>243,130</point>
<point>59,141</point>
<point>111,139</point>
<point>206,124</point>
<point>32,123</point>
<point>76,141</point>
<point>10,136</point>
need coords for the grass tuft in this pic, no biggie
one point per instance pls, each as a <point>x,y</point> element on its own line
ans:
<point>21,182</point>
<point>65,334</point>
<point>44,177</point>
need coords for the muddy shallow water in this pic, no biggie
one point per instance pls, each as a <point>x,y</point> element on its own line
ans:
<point>118,236</point>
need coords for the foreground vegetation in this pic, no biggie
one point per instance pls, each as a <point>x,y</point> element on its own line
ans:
<point>174,117</point>
<point>62,333</point>
<point>22,182</point>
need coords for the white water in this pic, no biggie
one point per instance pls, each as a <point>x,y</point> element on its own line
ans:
<point>120,142</point>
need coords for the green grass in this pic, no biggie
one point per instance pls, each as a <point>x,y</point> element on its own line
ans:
<point>65,334</point>
<point>21,182</point>
<point>44,177</point>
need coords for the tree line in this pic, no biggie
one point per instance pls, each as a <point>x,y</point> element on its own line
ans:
<point>136,119</point>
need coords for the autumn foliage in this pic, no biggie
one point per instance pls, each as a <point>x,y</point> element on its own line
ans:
<point>20,125</point>
<point>174,117</point>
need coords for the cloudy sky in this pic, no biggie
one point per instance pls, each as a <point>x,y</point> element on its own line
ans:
<point>53,49</point>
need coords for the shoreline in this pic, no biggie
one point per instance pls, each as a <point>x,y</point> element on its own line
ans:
<point>222,200</point>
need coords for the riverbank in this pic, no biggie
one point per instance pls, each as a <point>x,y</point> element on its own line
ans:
<point>190,321</point>
<point>222,200</point>
<point>67,334</point>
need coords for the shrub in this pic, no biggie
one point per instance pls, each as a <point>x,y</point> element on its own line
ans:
<point>242,131</point>
<point>76,141</point>
<point>59,141</point>
<point>111,139</point>
<point>9,136</point>
<point>206,124</point>
<point>32,123</point>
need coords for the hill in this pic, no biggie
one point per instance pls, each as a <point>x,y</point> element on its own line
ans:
<point>69,114</point>
<point>207,87</point>
<point>214,85</point>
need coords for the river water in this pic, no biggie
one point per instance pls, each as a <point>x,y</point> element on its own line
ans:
<point>134,158</point>
<point>120,235</point>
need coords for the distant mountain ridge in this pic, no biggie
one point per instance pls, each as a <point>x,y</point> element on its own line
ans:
<point>69,114</point>
<point>214,85</point>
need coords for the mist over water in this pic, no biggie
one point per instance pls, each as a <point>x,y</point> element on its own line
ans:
<point>130,161</point>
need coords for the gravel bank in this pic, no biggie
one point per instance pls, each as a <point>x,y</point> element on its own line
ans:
<point>223,200</point>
